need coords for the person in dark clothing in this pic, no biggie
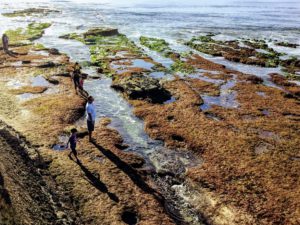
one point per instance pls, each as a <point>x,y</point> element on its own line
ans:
<point>73,142</point>
<point>5,44</point>
<point>76,76</point>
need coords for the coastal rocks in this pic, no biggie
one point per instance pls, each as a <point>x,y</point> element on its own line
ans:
<point>54,51</point>
<point>251,52</point>
<point>22,36</point>
<point>30,12</point>
<point>292,89</point>
<point>156,44</point>
<point>101,32</point>
<point>139,86</point>
<point>286,44</point>
<point>291,66</point>
<point>162,47</point>
<point>254,79</point>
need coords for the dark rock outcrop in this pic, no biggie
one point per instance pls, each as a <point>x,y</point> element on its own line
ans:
<point>101,32</point>
<point>139,86</point>
<point>254,79</point>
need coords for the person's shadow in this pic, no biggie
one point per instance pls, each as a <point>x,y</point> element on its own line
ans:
<point>139,182</point>
<point>93,180</point>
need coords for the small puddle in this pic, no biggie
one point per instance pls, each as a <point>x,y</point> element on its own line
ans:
<point>227,98</point>
<point>39,81</point>
<point>61,145</point>
<point>261,93</point>
<point>157,75</point>
<point>27,96</point>
<point>171,100</point>
<point>142,64</point>
<point>207,79</point>
<point>15,83</point>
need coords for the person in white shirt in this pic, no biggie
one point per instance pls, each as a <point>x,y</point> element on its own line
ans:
<point>91,116</point>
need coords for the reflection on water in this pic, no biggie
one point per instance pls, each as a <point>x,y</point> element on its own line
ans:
<point>227,98</point>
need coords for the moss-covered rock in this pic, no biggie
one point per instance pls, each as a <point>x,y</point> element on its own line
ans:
<point>286,44</point>
<point>30,12</point>
<point>182,67</point>
<point>255,52</point>
<point>32,32</point>
<point>104,44</point>
<point>101,32</point>
<point>139,86</point>
<point>156,44</point>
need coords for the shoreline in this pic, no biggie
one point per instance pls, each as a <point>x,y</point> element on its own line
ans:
<point>246,148</point>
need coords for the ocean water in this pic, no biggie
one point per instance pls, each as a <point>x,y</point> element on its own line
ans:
<point>175,19</point>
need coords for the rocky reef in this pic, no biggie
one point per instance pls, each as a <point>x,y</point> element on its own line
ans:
<point>21,36</point>
<point>30,12</point>
<point>38,113</point>
<point>247,51</point>
<point>138,86</point>
<point>261,132</point>
<point>239,135</point>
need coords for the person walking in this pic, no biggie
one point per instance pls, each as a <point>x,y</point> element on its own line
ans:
<point>5,44</point>
<point>76,76</point>
<point>91,116</point>
<point>73,142</point>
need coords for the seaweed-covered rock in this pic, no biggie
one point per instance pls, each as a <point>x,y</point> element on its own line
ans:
<point>254,79</point>
<point>251,52</point>
<point>22,36</point>
<point>287,44</point>
<point>30,12</point>
<point>54,51</point>
<point>101,32</point>
<point>139,86</point>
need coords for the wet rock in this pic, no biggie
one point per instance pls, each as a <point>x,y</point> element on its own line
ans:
<point>54,51</point>
<point>287,44</point>
<point>26,62</point>
<point>101,32</point>
<point>255,79</point>
<point>52,80</point>
<point>30,12</point>
<point>139,86</point>
<point>121,146</point>
<point>47,65</point>
<point>100,70</point>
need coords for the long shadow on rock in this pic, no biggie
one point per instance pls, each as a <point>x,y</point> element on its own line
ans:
<point>131,173</point>
<point>96,182</point>
<point>137,179</point>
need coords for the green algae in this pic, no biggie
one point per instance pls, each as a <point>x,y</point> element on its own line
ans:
<point>104,45</point>
<point>39,47</point>
<point>32,32</point>
<point>286,44</point>
<point>72,36</point>
<point>162,47</point>
<point>232,50</point>
<point>156,44</point>
<point>30,12</point>
<point>182,67</point>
